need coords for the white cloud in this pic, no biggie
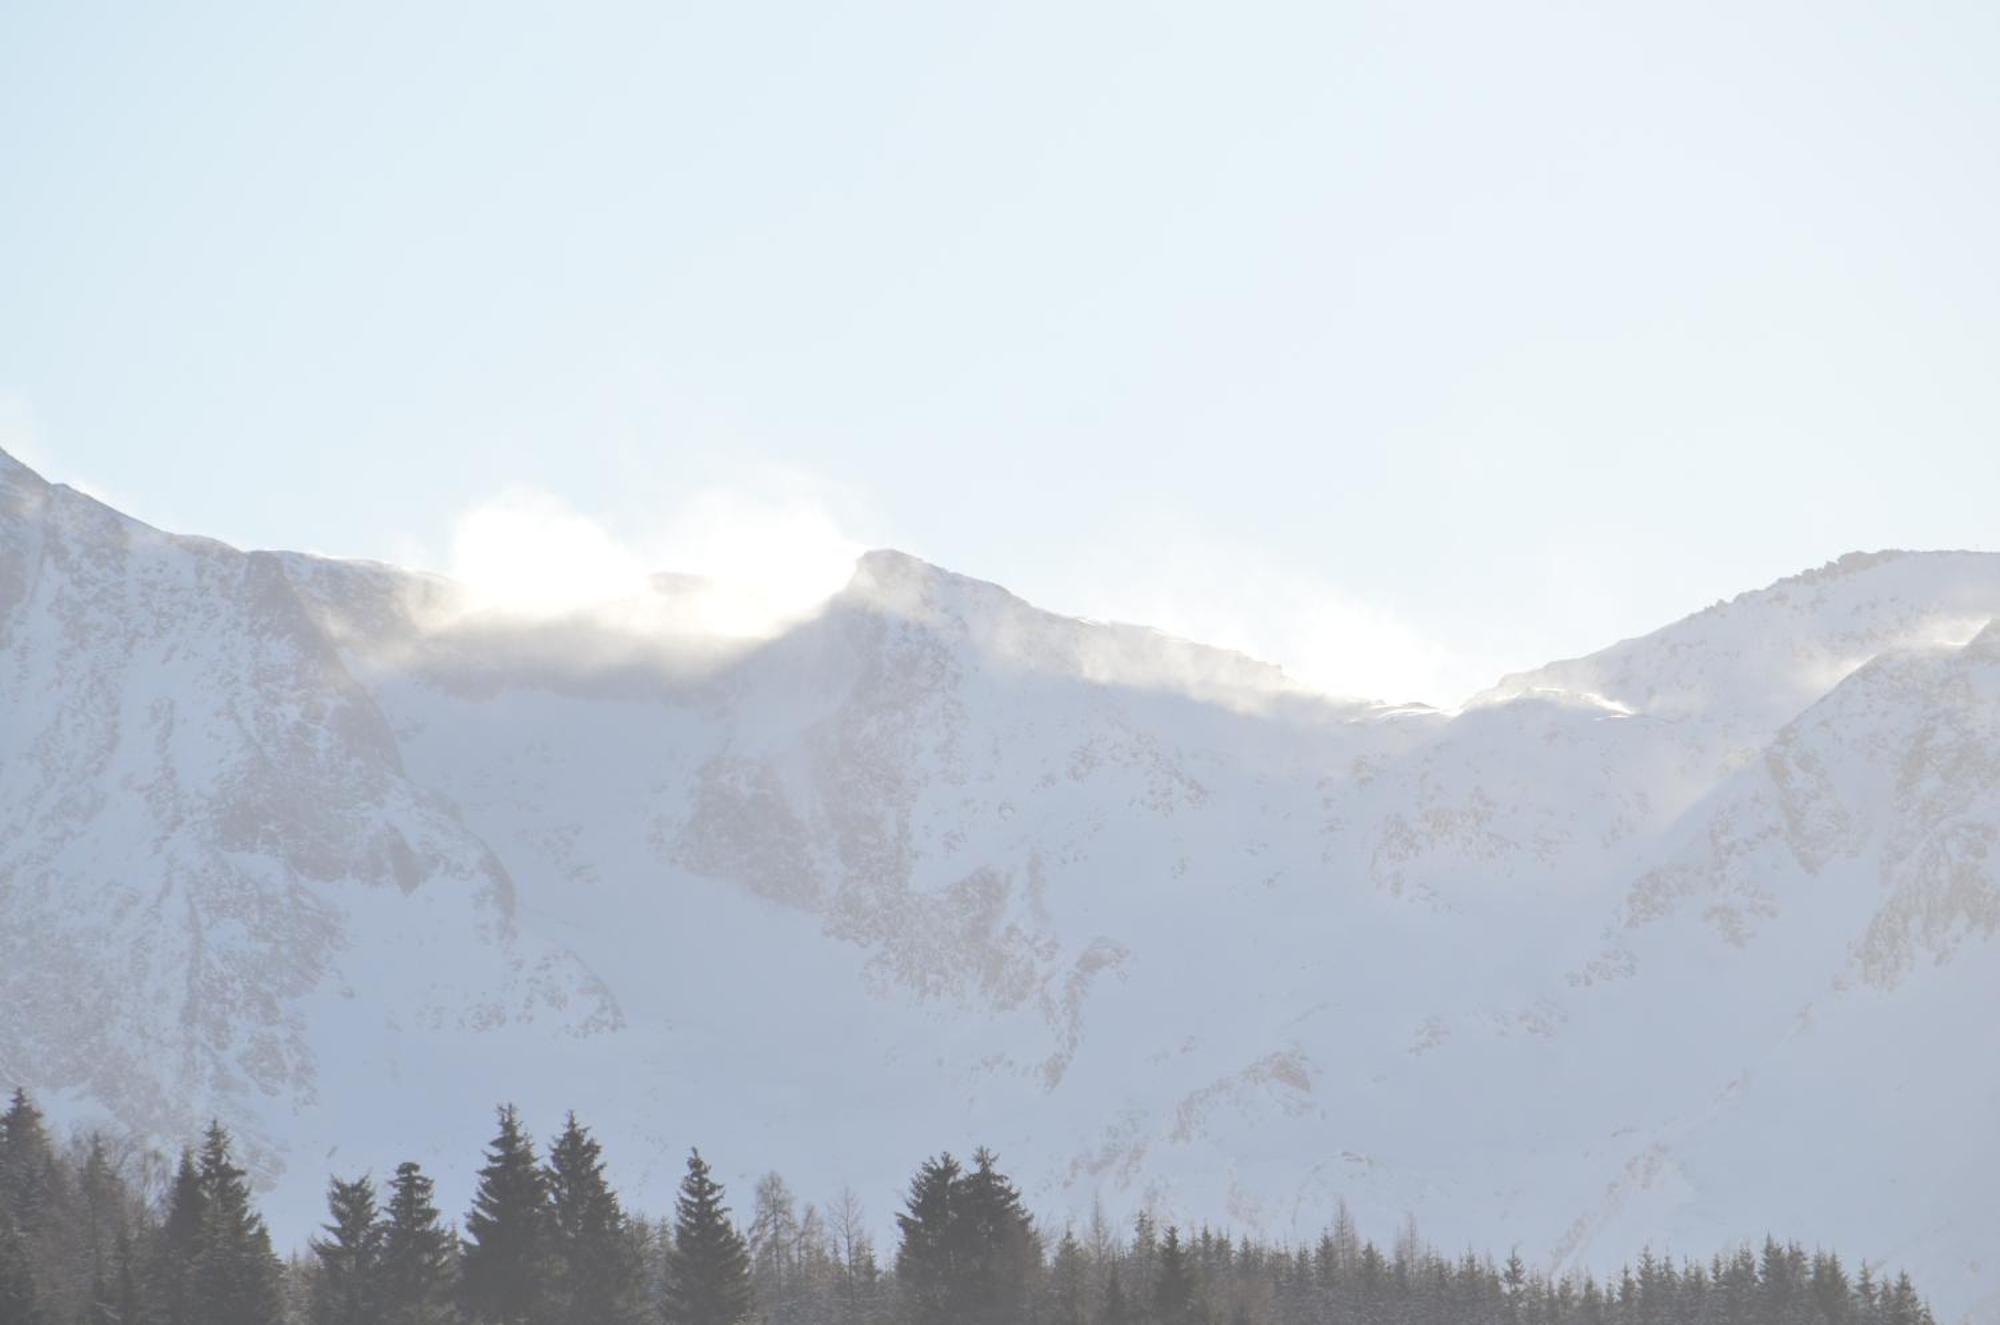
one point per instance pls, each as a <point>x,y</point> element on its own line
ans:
<point>752,558</point>
<point>768,556</point>
<point>1162,573</point>
<point>772,547</point>
<point>526,551</point>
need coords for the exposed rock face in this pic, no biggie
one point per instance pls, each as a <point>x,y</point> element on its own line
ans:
<point>194,797</point>
<point>1676,943</point>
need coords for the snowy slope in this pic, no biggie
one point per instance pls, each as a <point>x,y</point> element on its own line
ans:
<point>1675,943</point>
<point>198,810</point>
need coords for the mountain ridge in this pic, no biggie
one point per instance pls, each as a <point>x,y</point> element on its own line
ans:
<point>296,841</point>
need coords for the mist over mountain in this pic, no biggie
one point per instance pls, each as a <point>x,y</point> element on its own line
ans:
<point>1676,943</point>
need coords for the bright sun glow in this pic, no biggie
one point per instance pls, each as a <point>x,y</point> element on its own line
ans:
<point>730,563</point>
<point>527,553</point>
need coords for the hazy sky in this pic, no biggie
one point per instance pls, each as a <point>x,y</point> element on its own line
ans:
<point>1401,342</point>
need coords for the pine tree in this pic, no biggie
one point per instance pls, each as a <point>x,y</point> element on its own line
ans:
<point>1139,1265</point>
<point>419,1255</point>
<point>595,1271</point>
<point>170,1270</point>
<point>996,1251</point>
<point>30,1178</point>
<point>202,1255</point>
<point>19,1302</point>
<point>1068,1283</point>
<point>708,1272</point>
<point>235,1277</point>
<point>101,1221</point>
<point>1737,1284</point>
<point>927,1259</point>
<point>118,1298</point>
<point>1116,1310</point>
<point>35,1198</point>
<point>346,1281</point>
<point>1900,1305</point>
<point>504,1267</point>
<point>1514,1282</point>
<point>1832,1295</point>
<point>1173,1283</point>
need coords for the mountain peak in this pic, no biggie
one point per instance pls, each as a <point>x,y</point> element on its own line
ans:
<point>1003,628</point>
<point>891,578</point>
<point>1757,658</point>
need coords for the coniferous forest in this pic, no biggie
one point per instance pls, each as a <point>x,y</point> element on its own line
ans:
<point>92,1233</point>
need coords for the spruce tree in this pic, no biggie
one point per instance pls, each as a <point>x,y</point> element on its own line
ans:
<point>235,1277</point>
<point>996,1251</point>
<point>101,1227</point>
<point>1513,1284</point>
<point>30,1178</point>
<point>1832,1295</point>
<point>1864,1292</point>
<point>1900,1305</point>
<point>170,1269</point>
<point>419,1255</point>
<point>595,1273</point>
<point>1139,1265</point>
<point>708,1271</point>
<point>203,1252</point>
<point>927,1260</point>
<point>346,1278</point>
<point>1737,1282</point>
<point>1116,1310</point>
<point>119,1297</point>
<point>20,1304</point>
<point>505,1265</point>
<point>1173,1283</point>
<point>35,1196</point>
<point>1069,1283</point>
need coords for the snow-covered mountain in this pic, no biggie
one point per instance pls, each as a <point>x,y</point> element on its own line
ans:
<point>1677,943</point>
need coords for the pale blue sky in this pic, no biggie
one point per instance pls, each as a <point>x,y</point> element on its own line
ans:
<point>1404,342</point>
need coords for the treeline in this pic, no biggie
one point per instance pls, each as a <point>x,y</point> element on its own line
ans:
<point>88,1236</point>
